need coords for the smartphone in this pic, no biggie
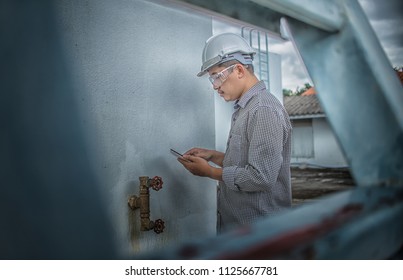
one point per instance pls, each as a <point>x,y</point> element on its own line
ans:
<point>177,154</point>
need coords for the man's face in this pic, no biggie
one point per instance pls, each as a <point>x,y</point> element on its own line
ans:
<point>224,80</point>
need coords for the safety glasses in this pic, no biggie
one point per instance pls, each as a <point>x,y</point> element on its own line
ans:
<point>218,79</point>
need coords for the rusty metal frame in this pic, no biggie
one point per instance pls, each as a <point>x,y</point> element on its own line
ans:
<point>359,224</point>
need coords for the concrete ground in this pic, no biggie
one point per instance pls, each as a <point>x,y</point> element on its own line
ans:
<point>311,183</point>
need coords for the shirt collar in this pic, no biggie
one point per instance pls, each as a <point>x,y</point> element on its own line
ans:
<point>241,103</point>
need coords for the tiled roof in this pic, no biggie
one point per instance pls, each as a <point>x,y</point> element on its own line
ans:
<point>309,91</point>
<point>308,103</point>
<point>302,105</point>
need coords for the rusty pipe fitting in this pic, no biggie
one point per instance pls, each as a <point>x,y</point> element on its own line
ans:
<point>143,202</point>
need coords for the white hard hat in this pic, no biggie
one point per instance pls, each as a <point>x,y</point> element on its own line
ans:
<point>224,47</point>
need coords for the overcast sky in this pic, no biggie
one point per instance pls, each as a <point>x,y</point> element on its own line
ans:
<point>386,18</point>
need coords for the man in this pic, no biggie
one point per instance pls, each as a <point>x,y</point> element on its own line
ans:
<point>254,172</point>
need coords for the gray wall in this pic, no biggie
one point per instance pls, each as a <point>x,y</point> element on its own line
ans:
<point>133,65</point>
<point>327,149</point>
<point>314,143</point>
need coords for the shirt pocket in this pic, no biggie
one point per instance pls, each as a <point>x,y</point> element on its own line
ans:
<point>234,149</point>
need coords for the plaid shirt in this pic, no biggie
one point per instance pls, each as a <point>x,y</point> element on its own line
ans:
<point>256,166</point>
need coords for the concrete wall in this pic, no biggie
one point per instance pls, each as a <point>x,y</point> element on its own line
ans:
<point>51,205</point>
<point>133,65</point>
<point>276,82</point>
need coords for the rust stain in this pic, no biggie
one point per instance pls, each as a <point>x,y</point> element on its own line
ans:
<point>285,243</point>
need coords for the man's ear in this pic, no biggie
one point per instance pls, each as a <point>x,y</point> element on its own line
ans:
<point>240,70</point>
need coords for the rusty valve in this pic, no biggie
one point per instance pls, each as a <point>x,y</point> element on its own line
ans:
<point>143,202</point>
<point>156,183</point>
<point>159,226</point>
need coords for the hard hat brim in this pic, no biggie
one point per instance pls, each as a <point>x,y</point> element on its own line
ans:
<point>240,57</point>
<point>201,73</point>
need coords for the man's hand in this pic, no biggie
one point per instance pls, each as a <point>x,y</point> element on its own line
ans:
<point>196,165</point>
<point>209,155</point>
<point>200,167</point>
<point>200,152</point>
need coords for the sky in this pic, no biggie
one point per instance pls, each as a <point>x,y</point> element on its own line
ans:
<point>385,17</point>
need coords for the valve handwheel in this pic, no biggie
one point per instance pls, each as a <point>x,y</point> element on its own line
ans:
<point>156,183</point>
<point>159,226</point>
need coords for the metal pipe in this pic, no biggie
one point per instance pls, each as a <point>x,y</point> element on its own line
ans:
<point>146,224</point>
<point>143,202</point>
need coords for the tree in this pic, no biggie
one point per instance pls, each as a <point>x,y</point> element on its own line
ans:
<point>298,91</point>
<point>302,90</point>
<point>287,92</point>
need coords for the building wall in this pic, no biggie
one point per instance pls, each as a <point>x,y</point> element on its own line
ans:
<point>134,66</point>
<point>302,139</point>
<point>327,149</point>
<point>314,143</point>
